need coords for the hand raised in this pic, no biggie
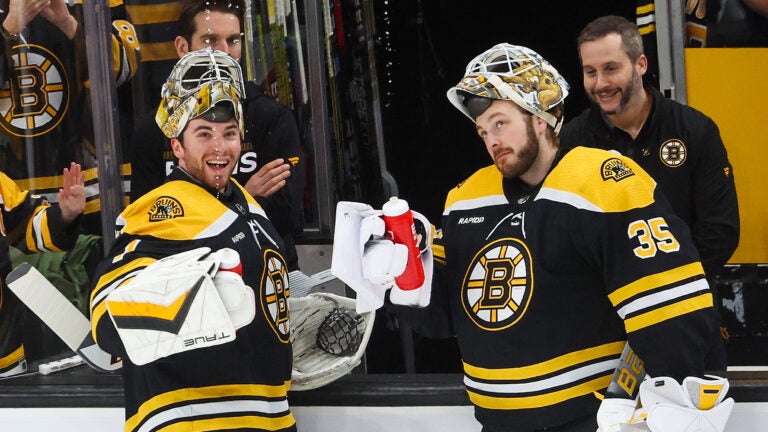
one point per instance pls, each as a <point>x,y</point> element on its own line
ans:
<point>72,193</point>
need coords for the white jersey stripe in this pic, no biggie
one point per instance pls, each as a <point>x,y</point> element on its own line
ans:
<point>218,409</point>
<point>569,198</point>
<point>547,384</point>
<point>476,203</point>
<point>663,297</point>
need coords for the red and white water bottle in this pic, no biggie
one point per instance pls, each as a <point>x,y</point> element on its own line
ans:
<point>398,221</point>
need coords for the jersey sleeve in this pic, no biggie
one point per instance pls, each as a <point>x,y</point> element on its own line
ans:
<point>716,226</point>
<point>124,44</point>
<point>651,269</point>
<point>31,222</point>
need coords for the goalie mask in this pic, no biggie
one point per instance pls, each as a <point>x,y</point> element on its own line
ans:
<point>515,73</point>
<point>203,83</point>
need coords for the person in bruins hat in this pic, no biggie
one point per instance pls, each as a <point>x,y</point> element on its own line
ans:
<point>198,353</point>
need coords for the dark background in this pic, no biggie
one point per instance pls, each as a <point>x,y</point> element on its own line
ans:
<point>422,48</point>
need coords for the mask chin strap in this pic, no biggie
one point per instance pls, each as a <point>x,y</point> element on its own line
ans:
<point>506,90</point>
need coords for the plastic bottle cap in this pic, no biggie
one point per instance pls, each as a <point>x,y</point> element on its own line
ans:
<point>395,207</point>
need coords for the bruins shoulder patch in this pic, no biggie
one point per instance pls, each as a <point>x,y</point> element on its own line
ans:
<point>616,169</point>
<point>498,285</point>
<point>165,208</point>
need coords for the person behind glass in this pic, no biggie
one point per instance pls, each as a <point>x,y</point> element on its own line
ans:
<point>677,145</point>
<point>164,298</point>
<point>271,166</point>
<point>542,269</point>
<point>46,119</point>
<point>21,225</point>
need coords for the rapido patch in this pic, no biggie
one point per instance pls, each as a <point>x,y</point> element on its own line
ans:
<point>616,169</point>
<point>165,208</point>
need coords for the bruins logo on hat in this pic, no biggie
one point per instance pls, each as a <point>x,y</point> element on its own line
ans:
<point>35,101</point>
<point>498,285</point>
<point>165,208</point>
<point>673,153</point>
<point>616,169</point>
<point>274,296</point>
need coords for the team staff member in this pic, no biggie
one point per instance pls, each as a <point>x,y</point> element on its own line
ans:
<point>271,166</point>
<point>38,226</point>
<point>678,146</point>
<point>238,384</point>
<point>549,262</point>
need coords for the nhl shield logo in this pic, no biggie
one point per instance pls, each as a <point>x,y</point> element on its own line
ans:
<point>616,169</point>
<point>498,285</point>
<point>673,153</point>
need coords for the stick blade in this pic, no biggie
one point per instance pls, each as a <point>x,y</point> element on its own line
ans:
<point>58,313</point>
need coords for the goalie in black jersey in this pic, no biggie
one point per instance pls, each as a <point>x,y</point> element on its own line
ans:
<point>548,263</point>
<point>193,294</point>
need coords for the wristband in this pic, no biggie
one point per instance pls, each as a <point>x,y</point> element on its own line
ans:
<point>12,38</point>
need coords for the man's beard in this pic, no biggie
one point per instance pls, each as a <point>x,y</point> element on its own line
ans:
<point>524,157</point>
<point>627,92</point>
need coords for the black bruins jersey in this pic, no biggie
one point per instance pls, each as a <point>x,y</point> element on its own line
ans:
<point>545,285</point>
<point>45,107</point>
<point>29,221</point>
<point>239,385</point>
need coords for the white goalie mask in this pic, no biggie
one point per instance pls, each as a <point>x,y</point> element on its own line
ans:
<point>515,73</point>
<point>199,81</point>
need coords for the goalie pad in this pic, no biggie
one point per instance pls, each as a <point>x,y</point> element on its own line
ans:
<point>169,315</point>
<point>328,337</point>
<point>368,262</point>
<point>174,305</point>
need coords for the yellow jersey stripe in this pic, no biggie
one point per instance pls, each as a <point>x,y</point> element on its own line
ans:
<point>547,367</point>
<point>236,422</point>
<point>204,394</point>
<point>538,401</point>
<point>654,281</point>
<point>656,316</point>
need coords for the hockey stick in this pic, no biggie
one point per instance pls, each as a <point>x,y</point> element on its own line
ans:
<point>625,383</point>
<point>301,283</point>
<point>56,311</point>
<point>61,316</point>
<point>621,396</point>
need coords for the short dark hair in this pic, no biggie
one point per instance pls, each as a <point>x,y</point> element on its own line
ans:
<point>605,25</point>
<point>190,9</point>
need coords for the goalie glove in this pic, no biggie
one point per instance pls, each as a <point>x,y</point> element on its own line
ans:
<point>368,262</point>
<point>174,305</point>
<point>699,405</point>
<point>615,412</point>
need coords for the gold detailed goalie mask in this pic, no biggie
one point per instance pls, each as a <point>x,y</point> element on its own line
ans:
<point>200,80</point>
<point>511,72</point>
